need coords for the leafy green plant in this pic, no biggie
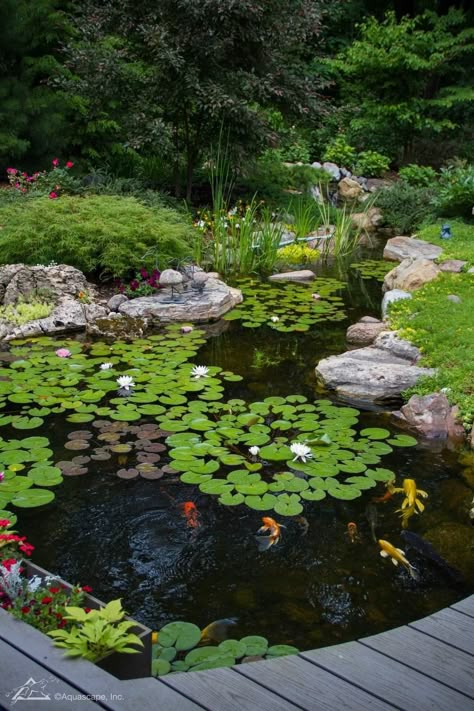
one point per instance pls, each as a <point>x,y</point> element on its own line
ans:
<point>420,176</point>
<point>23,312</point>
<point>340,152</point>
<point>97,633</point>
<point>371,164</point>
<point>338,223</point>
<point>297,254</point>
<point>405,207</point>
<point>305,215</point>
<point>103,234</point>
<point>455,192</point>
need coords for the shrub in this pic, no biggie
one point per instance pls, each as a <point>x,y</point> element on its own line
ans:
<point>340,152</point>
<point>100,233</point>
<point>421,176</point>
<point>455,195</point>
<point>405,207</point>
<point>371,164</point>
<point>297,254</point>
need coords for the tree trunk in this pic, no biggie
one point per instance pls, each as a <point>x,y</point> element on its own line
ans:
<point>189,177</point>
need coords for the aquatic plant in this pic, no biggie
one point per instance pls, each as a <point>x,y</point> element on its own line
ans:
<point>210,448</point>
<point>298,254</point>
<point>372,268</point>
<point>288,307</point>
<point>21,490</point>
<point>345,237</point>
<point>180,647</point>
<point>23,312</point>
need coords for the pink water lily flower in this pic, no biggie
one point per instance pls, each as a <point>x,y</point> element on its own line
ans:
<point>63,353</point>
<point>55,162</point>
<point>2,476</point>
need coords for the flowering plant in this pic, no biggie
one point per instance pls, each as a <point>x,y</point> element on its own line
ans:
<point>12,545</point>
<point>53,182</point>
<point>143,284</point>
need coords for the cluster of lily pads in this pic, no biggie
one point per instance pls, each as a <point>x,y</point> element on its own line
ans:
<point>372,268</point>
<point>288,307</point>
<point>277,453</point>
<point>179,648</point>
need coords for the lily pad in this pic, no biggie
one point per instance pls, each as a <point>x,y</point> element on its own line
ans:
<point>180,635</point>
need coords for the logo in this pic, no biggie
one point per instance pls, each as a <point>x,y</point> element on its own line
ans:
<point>31,690</point>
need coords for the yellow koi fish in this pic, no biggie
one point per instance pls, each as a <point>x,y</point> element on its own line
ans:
<point>397,556</point>
<point>411,503</point>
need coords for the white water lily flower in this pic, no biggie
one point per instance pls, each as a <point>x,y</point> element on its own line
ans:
<point>254,451</point>
<point>200,371</point>
<point>125,382</point>
<point>106,366</point>
<point>274,319</point>
<point>301,451</point>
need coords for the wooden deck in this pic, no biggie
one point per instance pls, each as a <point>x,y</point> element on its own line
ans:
<point>426,665</point>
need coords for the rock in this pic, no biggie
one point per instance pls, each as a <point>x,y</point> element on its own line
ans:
<point>332,169</point>
<point>398,347</point>
<point>346,173</point>
<point>213,302</point>
<point>118,327</point>
<point>317,165</point>
<point>316,193</point>
<point>452,265</point>
<point>374,184</point>
<point>431,416</point>
<point>362,181</point>
<point>364,332</point>
<point>411,274</point>
<point>399,248</point>
<point>369,375</point>
<point>453,541</point>
<point>252,658</point>
<point>115,301</point>
<point>393,295</point>
<point>471,270</point>
<point>454,298</point>
<point>299,275</point>
<point>171,278</point>
<point>368,221</point>
<point>349,189</point>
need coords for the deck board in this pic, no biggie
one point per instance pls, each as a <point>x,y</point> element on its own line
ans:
<point>399,685</point>
<point>225,690</point>
<point>449,626</point>
<point>428,656</point>
<point>309,686</point>
<point>466,606</point>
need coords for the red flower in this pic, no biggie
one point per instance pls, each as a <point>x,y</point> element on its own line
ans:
<point>12,171</point>
<point>86,588</point>
<point>7,564</point>
<point>54,590</point>
<point>87,610</point>
<point>46,600</point>
<point>4,522</point>
<point>53,195</point>
<point>25,610</point>
<point>27,548</point>
<point>69,164</point>
<point>55,162</point>
<point>62,624</point>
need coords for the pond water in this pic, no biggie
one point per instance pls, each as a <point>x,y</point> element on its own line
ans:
<point>131,539</point>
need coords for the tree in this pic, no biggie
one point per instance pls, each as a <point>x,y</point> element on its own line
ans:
<point>32,115</point>
<point>163,77</point>
<point>405,80</point>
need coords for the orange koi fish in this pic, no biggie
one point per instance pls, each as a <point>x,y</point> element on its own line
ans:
<point>274,528</point>
<point>352,532</point>
<point>388,494</point>
<point>191,514</point>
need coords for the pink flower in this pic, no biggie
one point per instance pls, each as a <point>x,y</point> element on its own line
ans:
<point>53,195</point>
<point>55,162</point>
<point>63,353</point>
<point>12,171</point>
<point>2,476</point>
<point>69,164</point>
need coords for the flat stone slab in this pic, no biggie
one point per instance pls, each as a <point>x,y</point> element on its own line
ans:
<point>452,265</point>
<point>375,375</point>
<point>300,275</point>
<point>399,248</point>
<point>213,302</point>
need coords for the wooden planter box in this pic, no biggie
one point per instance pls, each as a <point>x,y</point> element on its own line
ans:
<point>123,666</point>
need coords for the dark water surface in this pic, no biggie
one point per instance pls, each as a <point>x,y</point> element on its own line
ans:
<point>129,539</point>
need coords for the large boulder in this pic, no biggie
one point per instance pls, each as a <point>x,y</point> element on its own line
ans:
<point>375,375</point>
<point>333,170</point>
<point>368,221</point>
<point>299,275</point>
<point>365,331</point>
<point>73,300</point>
<point>399,248</point>
<point>212,302</point>
<point>431,416</point>
<point>349,189</point>
<point>411,274</point>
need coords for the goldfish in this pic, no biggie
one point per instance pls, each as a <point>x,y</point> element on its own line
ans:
<point>352,532</point>
<point>397,556</point>
<point>191,514</point>
<point>411,503</point>
<point>390,490</point>
<point>274,528</point>
<point>217,631</point>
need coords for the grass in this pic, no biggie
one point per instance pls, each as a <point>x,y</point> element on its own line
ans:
<point>460,246</point>
<point>444,332</point>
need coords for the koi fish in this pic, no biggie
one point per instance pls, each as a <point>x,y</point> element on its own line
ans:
<point>411,503</point>
<point>372,517</point>
<point>352,532</point>
<point>303,522</point>
<point>388,494</point>
<point>217,631</point>
<point>274,528</point>
<point>397,556</point>
<point>191,514</point>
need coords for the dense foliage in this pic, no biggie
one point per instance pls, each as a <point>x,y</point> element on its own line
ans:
<point>99,233</point>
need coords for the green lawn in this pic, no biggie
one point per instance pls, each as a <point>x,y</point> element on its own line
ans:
<point>444,332</point>
<point>460,246</point>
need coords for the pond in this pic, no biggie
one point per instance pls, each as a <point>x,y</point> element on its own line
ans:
<point>131,536</point>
